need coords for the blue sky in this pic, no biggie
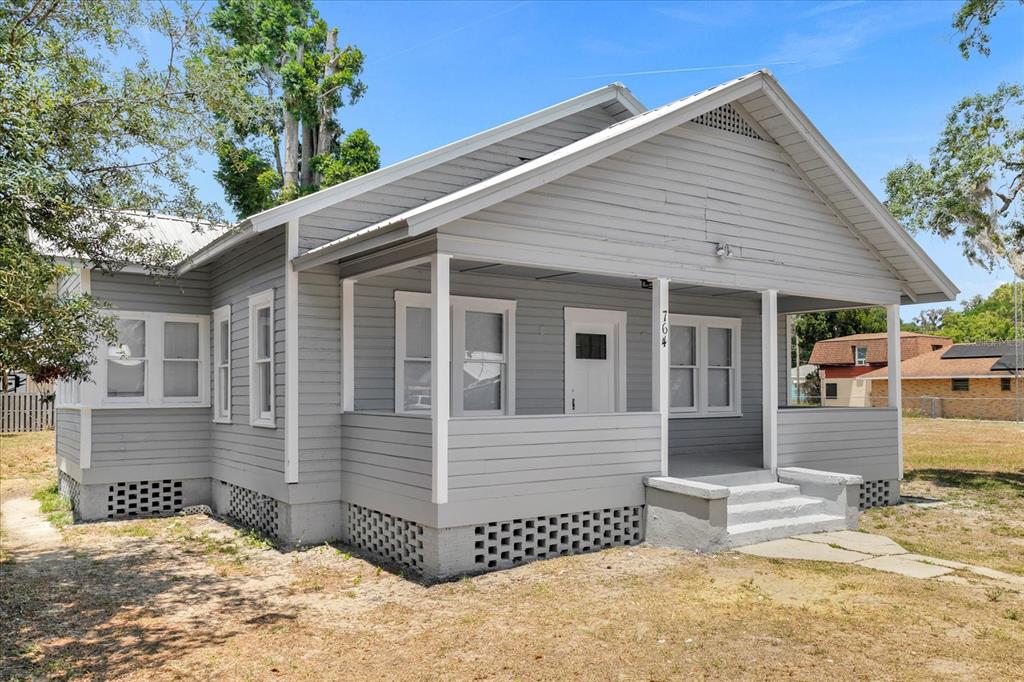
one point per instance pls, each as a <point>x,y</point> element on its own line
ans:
<point>876,78</point>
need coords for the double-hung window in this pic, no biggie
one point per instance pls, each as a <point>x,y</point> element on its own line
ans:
<point>482,341</point>
<point>261,359</point>
<point>704,365</point>
<point>860,354</point>
<point>159,359</point>
<point>222,364</point>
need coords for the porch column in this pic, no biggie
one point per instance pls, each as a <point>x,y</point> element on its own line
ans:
<point>660,363</point>
<point>348,361</point>
<point>770,376</point>
<point>440,374</point>
<point>895,358</point>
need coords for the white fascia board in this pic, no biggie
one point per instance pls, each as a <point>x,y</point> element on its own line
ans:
<point>331,195</point>
<point>827,152</point>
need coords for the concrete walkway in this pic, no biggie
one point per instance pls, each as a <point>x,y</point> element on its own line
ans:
<point>877,552</point>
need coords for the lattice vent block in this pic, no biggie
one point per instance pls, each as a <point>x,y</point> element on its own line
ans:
<point>875,494</point>
<point>144,498</point>
<point>728,119</point>
<point>502,544</point>
<point>386,536</point>
<point>69,489</point>
<point>253,509</point>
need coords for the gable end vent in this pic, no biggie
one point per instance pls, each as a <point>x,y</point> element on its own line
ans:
<point>728,119</point>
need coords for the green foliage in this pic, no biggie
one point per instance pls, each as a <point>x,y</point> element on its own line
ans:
<point>356,155</point>
<point>988,318</point>
<point>813,327</point>
<point>56,507</point>
<point>249,181</point>
<point>972,21</point>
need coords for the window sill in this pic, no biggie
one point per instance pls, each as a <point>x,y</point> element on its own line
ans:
<point>146,406</point>
<point>220,421</point>
<point>263,424</point>
<point>703,415</point>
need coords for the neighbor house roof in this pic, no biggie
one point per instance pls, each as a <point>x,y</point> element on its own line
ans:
<point>760,97</point>
<point>960,360</point>
<point>616,98</point>
<point>840,350</point>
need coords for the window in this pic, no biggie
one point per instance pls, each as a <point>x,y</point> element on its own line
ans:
<point>860,355</point>
<point>1004,384</point>
<point>157,360</point>
<point>591,347</point>
<point>222,364</point>
<point>704,365</point>
<point>937,346</point>
<point>261,359</point>
<point>961,384</point>
<point>831,390</point>
<point>482,341</point>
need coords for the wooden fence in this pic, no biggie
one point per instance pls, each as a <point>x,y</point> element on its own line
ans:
<point>20,412</point>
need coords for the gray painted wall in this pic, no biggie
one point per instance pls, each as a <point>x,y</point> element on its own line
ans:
<point>862,441</point>
<point>68,436</point>
<point>188,295</point>
<point>149,443</point>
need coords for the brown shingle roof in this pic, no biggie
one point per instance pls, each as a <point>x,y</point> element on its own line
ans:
<point>840,350</point>
<point>934,365</point>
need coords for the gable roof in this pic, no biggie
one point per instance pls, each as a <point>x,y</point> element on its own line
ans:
<point>840,350</point>
<point>615,98</point>
<point>959,360</point>
<point>774,113</point>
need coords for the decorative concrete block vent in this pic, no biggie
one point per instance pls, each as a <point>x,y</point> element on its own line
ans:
<point>69,489</point>
<point>385,536</point>
<point>143,498</point>
<point>728,119</point>
<point>253,510</point>
<point>502,544</point>
<point>875,494</point>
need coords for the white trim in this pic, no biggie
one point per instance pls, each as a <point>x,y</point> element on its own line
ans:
<point>770,377</point>
<point>264,299</point>
<point>598,316</point>
<point>660,338</point>
<point>701,324</point>
<point>895,359</point>
<point>291,355</point>
<point>440,393</point>
<point>459,306</point>
<point>220,316</point>
<point>945,376</point>
<point>348,345</point>
<point>85,438</point>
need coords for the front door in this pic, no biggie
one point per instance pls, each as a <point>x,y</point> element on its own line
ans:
<point>594,373</point>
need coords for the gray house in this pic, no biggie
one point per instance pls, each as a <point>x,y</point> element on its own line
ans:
<point>564,333</point>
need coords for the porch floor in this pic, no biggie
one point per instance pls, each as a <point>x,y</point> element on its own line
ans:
<point>721,469</point>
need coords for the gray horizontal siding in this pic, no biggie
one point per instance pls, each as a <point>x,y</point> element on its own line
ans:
<point>665,204</point>
<point>188,294</point>
<point>149,443</point>
<point>245,455</point>
<point>68,439</point>
<point>417,189</point>
<point>386,456</point>
<point>863,441</point>
<point>492,458</point>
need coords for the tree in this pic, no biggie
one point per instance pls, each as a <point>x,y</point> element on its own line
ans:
<point>972,185</point>
<point>286,140</point>
<point>988,318</point>
<point>86,151</point>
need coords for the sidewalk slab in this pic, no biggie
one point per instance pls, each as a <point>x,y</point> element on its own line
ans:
<point>901,566</point>
<point>791,548</point>
<point>854,541</point>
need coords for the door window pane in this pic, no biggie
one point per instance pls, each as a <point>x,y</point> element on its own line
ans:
<point>681,387</point>
<point>484,338</point>
<point>417,332</point>
<point>263,333</point>
<point>719,347</point>
<point>126,378</point>
<point>682,347</point>
<point>718,387</point>
<point>181,379</point>
<point>417,385</point>
<point>591,347</point>
<point>481,386</point>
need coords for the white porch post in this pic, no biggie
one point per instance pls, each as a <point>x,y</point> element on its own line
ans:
<point>440,374</point>
<point>348,362</point>
<point>291,356</point>
<point>660,363</point>
<point>894,358</point>
<point>770,376</point>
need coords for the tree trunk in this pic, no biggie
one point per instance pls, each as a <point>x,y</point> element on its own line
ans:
<point>306,167</point>
<point>325,112</point>
<point>291,132</point>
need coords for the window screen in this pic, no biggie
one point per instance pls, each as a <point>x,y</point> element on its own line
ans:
<point>591,347</point>
<point>126,361</point>
<point>832,390</point>
<point>961,384</point>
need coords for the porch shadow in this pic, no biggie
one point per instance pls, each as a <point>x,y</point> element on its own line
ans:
<point>994,482</point>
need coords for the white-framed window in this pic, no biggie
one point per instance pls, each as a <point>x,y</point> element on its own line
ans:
<point>483,355</point>
<point>261,359</point>
<point>860,354</point>
<point>157,360</point>
<point>222,364</point>
<point>704,365</point>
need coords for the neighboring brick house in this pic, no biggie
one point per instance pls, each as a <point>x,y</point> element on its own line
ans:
<point>966,380</point>
<point>843,361</point>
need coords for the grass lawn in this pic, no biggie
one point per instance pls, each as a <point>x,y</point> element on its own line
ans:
<point>192,598</point>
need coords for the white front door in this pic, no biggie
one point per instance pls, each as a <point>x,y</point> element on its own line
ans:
<point>594,361</point>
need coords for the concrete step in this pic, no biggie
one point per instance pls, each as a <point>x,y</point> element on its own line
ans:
<point>761,492</point>
<point>788,508</point>
<point>774,529</point>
